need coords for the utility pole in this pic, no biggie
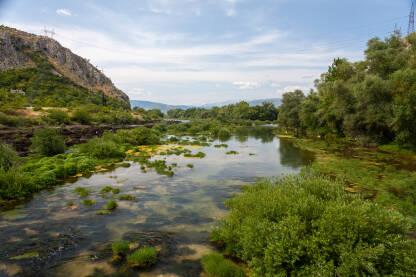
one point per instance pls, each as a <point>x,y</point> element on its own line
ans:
<point>411,27</point>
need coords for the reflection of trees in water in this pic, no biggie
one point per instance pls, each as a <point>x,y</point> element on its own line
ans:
<point>265,134</point>
<point>292,156</point>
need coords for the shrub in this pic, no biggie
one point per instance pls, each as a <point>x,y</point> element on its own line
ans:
<point>102,148</point>
<point>144,257</point>
<point>120,248</point>
<point>14,184</point>
<point>111,205</point>
<point>224,133</point>
<point>58,116</point>
<point>139,136</point>
<point>8,157</point>
<point>307,225</point>
<point>82,115</point>
<point>48,142</point>
<point>215,265</point>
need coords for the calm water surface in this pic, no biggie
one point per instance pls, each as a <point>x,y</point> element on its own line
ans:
<point>175,213</point>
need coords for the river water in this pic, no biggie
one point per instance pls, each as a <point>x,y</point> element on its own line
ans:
<point>174,213</point>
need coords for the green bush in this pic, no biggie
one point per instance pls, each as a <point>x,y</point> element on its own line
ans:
<point>215,265</point>
<point>8,157</point>
<point>307,225</point>
<point>82,115</point>
<point>57,116</point>
<point>48,142</point>
<point>144,257</point>
<point>14,184</point>
<point>102,148</point>
<point>224,133</point>
<point>139,136</point>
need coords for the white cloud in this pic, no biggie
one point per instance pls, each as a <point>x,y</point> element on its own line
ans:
<point>286,89</point>
<point>64,12</point>
<point>247,85</point>
<point>230,12</point>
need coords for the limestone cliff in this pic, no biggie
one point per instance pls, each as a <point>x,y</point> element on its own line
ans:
<point>15,46</point>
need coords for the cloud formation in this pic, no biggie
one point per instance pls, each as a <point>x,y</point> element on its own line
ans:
<point>64,12</point>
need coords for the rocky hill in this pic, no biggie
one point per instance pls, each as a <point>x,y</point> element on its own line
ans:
<point>18,50</point>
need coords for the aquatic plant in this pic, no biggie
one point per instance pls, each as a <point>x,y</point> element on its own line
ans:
<point>111,205</point>
<point>116,190</point>
<point>215,265</point>
<point>83,192</point>
<point>102,212</point>
<point>190,165</point>
<point>127,197</point>
<point>143,257</point>
<point>120,248</point>
<point>70,203</point>
<point>88,202</point>
<point>106,189</point>
<point>223,145</point>
<point>232,152</point>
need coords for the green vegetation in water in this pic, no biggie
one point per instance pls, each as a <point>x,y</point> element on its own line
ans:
<point>82,192</point>
<point>197,155</point>
<point>88,202</point>
<point>385,178</point>
<point>309,221</point>
<point>127,197</point>
<point>102,212</point>
<point>251,154</point>
<point>120,248</point>
<point>190,165</point>
<point>70,204</point>
<point>232,152</point>
<point>116,190</point>
<point>143,257</point>
<point>28,255</point>
<point>223,145</point>
<point>111,205</point>
<point>215,265</point>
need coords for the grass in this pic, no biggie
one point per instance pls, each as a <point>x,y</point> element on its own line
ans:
<point>215,265</point>
<point>143,258</point>
<point>111,205</point>
<point>232,152</point>
<point>102,212</point>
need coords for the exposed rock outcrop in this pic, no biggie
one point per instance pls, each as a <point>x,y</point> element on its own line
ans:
<point>14,45</point>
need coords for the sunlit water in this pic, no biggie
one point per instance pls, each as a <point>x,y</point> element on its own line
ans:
<point>176,213</point>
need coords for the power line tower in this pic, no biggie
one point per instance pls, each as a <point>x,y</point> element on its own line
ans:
<point>411,27</point>
<point>49,33</point>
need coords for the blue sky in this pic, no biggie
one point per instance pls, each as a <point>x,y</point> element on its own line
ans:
<point>204,51</point>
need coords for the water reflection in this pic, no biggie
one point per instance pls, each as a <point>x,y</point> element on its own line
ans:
<point>176,212</point>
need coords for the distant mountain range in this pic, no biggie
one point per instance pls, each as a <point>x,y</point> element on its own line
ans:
<point>148,105</point>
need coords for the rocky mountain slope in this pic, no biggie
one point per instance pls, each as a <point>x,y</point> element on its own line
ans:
<point>15,53</point>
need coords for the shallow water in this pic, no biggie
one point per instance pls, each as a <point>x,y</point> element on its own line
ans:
<point>176,213</point>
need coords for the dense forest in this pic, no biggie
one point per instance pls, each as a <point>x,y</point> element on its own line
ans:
<point>372,101</point>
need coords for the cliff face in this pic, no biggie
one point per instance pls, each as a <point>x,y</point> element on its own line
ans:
<point>15,44</point>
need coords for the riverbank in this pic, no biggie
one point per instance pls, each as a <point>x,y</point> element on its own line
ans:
<point>383,174</point>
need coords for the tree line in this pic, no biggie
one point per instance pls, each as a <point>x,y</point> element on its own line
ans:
<point>239,111</point>
<point>373,101</point>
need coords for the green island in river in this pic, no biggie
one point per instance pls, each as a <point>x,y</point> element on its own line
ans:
<point>322,185</point>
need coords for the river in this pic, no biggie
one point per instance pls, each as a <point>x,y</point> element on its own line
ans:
<point>46,237</point>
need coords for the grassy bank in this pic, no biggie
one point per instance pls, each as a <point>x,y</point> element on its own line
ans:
<point>385,174</point>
